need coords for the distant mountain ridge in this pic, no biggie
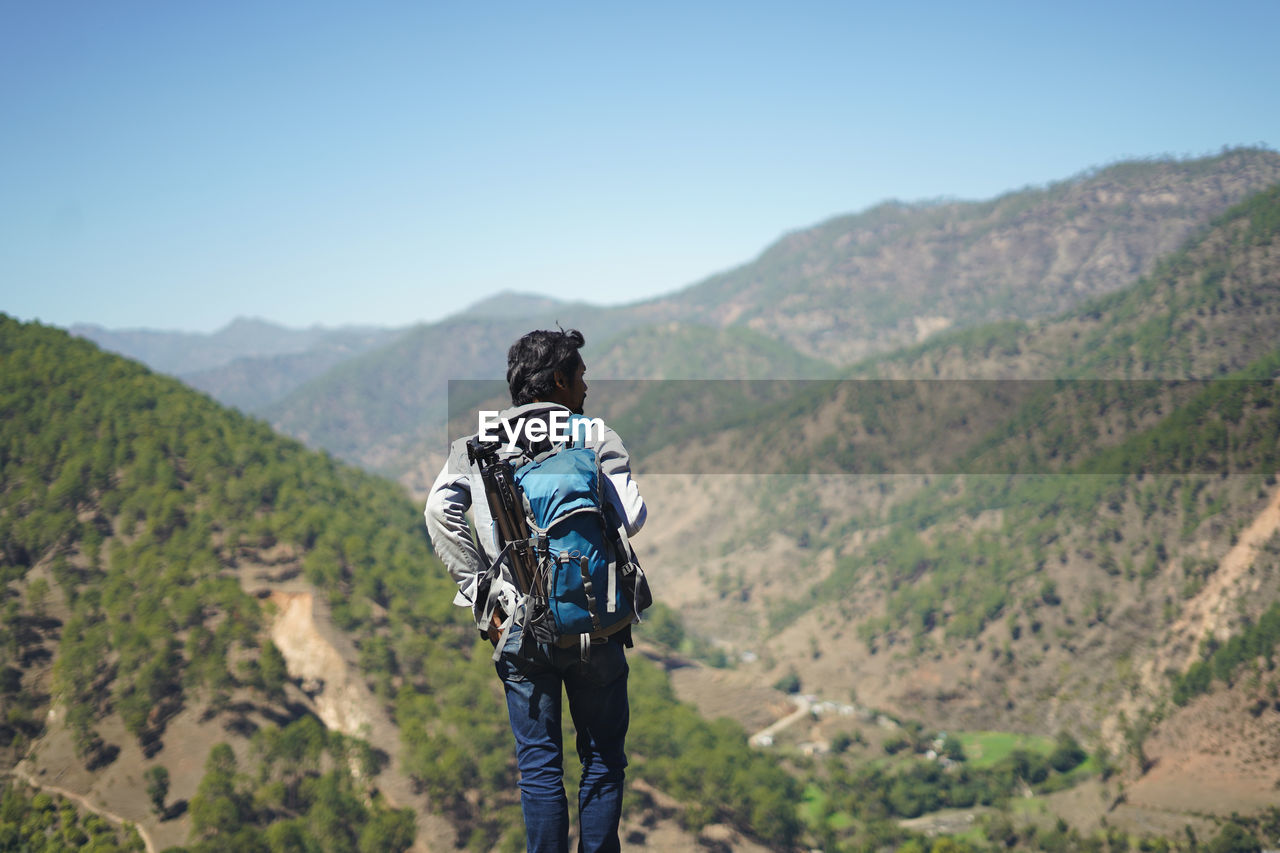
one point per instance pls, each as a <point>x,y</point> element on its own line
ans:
<point>248,363</point>
<point>244,337</point>
<point>821,297</point>
<point>828,295</point>
<point>893,275</point>
<point>510,303</point>
<point>379,408</point>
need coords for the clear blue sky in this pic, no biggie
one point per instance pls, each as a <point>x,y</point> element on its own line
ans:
<point>176,164</point>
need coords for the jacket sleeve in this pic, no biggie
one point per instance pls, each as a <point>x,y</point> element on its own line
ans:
<point>620,487</point>
<point>446,515</point>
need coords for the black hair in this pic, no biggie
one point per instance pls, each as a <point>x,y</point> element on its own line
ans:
<point>535,359</point>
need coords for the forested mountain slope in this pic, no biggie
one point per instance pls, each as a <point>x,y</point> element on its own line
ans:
<point>135,515</point>
<point>386,410</point>
<point>1203,312</point>
<point>1057,525</point>
<point>376,410</point>
<point>690,351</point>
<point>1017,555</point>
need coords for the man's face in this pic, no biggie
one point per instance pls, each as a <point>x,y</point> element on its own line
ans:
<point>574,393</point>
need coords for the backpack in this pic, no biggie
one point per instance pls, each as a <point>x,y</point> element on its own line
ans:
<point>565,547</point>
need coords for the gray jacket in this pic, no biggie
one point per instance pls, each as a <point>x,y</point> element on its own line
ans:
<point>452,494</point>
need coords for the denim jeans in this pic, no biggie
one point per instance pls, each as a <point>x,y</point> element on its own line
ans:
<point>533,678</point>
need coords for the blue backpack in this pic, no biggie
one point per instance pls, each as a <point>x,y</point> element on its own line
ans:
<point>586,579</point>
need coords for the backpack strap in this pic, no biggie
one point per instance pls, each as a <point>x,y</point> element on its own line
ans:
<point>493,599</point>
<point>519,617</point>
<point>611,596</point>
<point>625,560</point>
<point>585,569</point>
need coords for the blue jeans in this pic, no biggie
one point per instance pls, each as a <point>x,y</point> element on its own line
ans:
<point>597,690</point>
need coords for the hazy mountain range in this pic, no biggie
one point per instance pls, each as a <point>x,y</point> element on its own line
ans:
<point>817,299</point>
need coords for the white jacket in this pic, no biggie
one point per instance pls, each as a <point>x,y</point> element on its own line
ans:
<point>451,496</point>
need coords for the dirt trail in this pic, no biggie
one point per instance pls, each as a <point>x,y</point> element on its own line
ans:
<point>765,736</point>
<point>84,803</point>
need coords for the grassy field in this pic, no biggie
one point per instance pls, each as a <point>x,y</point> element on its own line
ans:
<point>983,749</point>
<point>814,804</point>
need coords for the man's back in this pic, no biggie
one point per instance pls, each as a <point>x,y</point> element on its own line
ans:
<point>545,375</point>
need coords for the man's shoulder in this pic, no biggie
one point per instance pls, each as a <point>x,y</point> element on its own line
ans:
<point>457,464</point>
<point>592,431</point>
<point>608,447</point>
<point>459,445</point>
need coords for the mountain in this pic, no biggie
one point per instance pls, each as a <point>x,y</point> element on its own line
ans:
<point>386,410</point>
<point>895,274</point>
<point>843,290</point>
<point>1044,526</point>
<point>249,363</point>
<point>233,641</point>
<point>140,523</point>
<point>1061,525</point>
<point>254,384</point>
<point>1203,312</point>
<point>190,352</point>
<point>1085,540</point>
<point>690,351</point>
<point>377,409</point>
<point>819,298</point>
<point>510,304</point>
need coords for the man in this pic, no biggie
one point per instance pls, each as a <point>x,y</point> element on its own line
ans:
<point>545,376</point>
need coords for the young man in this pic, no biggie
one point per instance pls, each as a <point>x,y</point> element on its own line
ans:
<point>545,377</point>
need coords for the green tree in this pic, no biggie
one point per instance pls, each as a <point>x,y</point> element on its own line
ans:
<point>219,809</point>
<point>1067,753</point>
<point>952,748</point>
<point>390,831</point>
<point>664,626</point>
<point>288,836</point>
<point>1234,838</point>
<point>38,596</point>
<point>789,683</point>
<point>272,670</point>
<point>157,779</point>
